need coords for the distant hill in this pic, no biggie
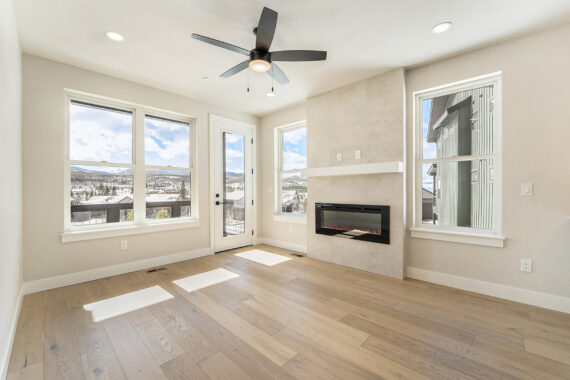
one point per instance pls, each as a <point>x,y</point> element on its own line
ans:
<point>78,172</point>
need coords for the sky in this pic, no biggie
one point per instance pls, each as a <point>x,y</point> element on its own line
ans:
<point>234,153</point>
<point>166,143</point>
<point>98,134</point>
<point>295,149</point>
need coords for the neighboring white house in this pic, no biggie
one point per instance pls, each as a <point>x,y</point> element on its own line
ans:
<point>461,124</point>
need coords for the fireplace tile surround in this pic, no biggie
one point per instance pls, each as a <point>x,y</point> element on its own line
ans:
<point>366,116</point>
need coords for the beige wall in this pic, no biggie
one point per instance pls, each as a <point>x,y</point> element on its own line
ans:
<point>293,234</point>
<point>11,182</point>
<point>43,146</point>
<point>366,116</point>
<point>536,141</point>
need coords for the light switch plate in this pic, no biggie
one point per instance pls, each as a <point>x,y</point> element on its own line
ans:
<point>526,189</point>
<point>339,156</point>
<point>357,155</point>
<point>124,245</point>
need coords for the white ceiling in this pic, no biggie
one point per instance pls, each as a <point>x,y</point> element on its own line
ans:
<point>362,37</point>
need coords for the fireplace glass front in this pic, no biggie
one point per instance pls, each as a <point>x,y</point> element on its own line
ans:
<point>359,222</point>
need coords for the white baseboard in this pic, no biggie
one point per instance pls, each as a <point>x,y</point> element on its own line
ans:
<point>12,331</point>
<point>283,244</point>
<point>95,274</point>
<point>530,297</point>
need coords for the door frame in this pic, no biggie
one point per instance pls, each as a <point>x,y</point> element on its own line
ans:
<point>212,192</point>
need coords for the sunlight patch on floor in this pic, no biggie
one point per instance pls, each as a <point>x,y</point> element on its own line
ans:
<point>126,303</point>
<point>203,280</point>
<point>263,257</point>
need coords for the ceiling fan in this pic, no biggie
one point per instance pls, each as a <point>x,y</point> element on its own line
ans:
<point>260,58</point>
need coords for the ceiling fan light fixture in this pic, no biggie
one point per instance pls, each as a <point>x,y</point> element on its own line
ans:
<point>259,65</point>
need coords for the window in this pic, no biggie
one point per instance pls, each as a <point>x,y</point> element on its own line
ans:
<point>167,160</point>
<point>457,166</point>
<point>291,158</point>
<point>120,175</point>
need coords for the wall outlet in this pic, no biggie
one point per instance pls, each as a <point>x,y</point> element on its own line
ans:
<point>357,155</point>
<point>339,156</point>
<point>526,265</point>
<point>526,189</point>
<point>124,245</point>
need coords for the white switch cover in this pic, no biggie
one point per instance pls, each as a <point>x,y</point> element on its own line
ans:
<point>290,229</point>
<point>526,265</point>
<point>270,190</point>
<point>357,155</point>
<point>526,189</point>
<point>339,156</point>
<point>124,245</point>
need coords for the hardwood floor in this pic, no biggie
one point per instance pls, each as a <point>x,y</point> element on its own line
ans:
<point>298,319</point>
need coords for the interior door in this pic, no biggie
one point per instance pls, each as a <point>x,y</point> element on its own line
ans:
<point>233,184</point>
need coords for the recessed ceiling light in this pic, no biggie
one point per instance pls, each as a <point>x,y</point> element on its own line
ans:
<point>271,94</point>
<point>114,36</point>
<point>441,27</point>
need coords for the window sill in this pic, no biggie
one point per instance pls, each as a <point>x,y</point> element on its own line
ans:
<point>290,218</point>
<point>458,237</point>
<point>102,233</point>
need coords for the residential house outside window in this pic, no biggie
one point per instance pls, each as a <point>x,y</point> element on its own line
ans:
<point>291,158</point>
<point>457,165</point>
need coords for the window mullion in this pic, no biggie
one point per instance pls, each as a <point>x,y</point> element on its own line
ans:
<point>139,172</point>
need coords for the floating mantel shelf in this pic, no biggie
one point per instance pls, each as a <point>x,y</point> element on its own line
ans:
<point>374,168</point>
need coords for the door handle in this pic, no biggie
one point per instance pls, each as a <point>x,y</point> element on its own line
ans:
<point>219,203</point>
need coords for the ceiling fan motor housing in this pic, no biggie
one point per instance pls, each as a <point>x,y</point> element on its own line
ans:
<point>260,54</point>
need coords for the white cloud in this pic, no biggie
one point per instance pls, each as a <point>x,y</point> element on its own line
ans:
<point>294,136</point>
<point>96,141</point>
<point>172,150</point>
<point>292,160</point>
<point>170,126</point>
<point>233,138</point>
<point>232,153</point>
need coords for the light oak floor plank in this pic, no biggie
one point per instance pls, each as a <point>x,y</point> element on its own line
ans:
<point>302,318</point>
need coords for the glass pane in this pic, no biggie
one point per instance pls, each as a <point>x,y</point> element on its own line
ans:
<point>459,124</point>
<point>293,193</point>
<point>294,153</point>
<point>100,134</point>
<point>352,223</point>
<point>459,194</point>
<point>166,142</point>
<point>234,184</point>
<point>101,194</point>
<point>167,194</point>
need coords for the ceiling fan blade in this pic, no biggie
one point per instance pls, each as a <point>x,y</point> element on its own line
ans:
<point>299,55</point>
<point>236,69</point>
<point>221,44</point>
<point>278,74</point>
<point>266,29</point>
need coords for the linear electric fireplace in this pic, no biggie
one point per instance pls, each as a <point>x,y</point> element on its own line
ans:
<point>358,222</point>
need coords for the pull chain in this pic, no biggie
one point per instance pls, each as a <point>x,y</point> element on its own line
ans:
<point>247,80</point>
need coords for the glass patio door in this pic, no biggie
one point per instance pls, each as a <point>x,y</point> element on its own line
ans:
<point>233,189</point>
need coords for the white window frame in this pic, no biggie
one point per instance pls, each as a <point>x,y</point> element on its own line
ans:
<point>466,235</point>
<point>278,215</point>
<point>140,224</point>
